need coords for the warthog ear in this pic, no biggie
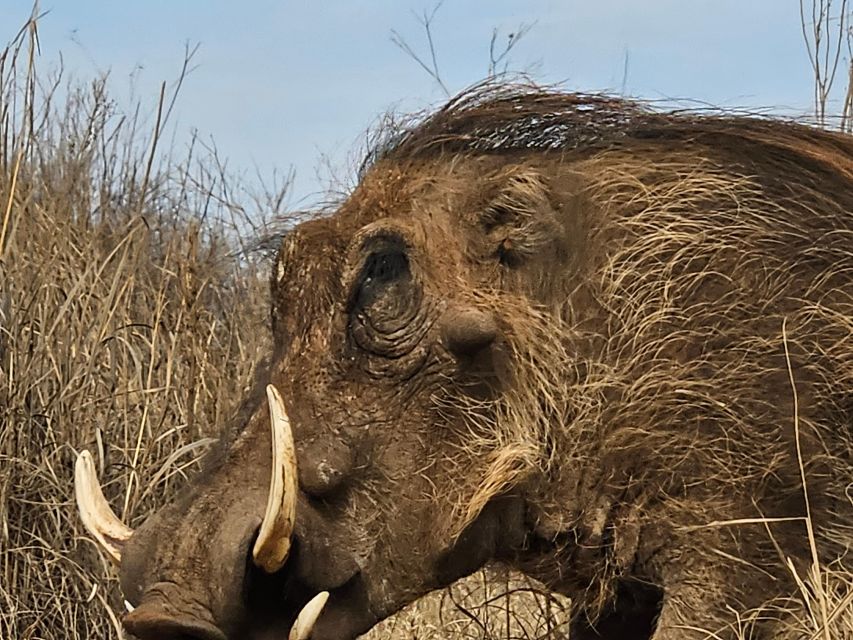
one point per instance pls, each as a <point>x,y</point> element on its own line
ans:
<point>519,220</point>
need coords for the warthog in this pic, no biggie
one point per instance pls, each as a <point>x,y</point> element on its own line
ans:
<point>609,347</point>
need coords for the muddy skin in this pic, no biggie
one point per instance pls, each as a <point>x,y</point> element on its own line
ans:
<point>551,330</point>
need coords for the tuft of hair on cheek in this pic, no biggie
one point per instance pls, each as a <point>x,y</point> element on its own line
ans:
<point>508,438</point>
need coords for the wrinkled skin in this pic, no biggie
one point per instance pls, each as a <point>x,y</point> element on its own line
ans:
<point>402,323</point>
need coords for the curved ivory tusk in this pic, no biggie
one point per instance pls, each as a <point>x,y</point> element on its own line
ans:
<point>95,512</point>
<point>273,543</point>
<point>301,629</point>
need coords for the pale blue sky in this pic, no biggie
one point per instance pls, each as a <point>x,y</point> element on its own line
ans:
<point>281,84</point>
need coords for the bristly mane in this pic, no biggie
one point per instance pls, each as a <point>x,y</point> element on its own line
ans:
<point>502,119</point>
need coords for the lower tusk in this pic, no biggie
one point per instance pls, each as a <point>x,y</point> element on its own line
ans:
<point>273,543</point>
<point>301,629</point>
<point>95,512</point>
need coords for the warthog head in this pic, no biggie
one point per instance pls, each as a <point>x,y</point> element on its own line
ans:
<point>544,329</point>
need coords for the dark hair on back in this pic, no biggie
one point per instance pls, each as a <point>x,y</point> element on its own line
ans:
<point>508,118</point>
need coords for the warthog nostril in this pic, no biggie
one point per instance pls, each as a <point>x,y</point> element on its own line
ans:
<point>324,466</point>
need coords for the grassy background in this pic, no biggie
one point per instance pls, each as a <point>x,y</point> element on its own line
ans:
<point>133,313</point>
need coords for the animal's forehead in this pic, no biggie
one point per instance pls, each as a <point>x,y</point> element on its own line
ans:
<point>386,192</point>
<point>430,194</point>
<point>394,190</point>
<point>309,272</point>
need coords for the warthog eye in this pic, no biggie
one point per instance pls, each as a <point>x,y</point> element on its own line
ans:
<point>386,315</point>
<point>381,269</point>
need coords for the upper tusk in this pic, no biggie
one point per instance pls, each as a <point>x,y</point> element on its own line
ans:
<point>273,543</point>
<point>95,512</point>
<point>301,629</point>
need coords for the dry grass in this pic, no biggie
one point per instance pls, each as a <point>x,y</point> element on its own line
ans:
<point>132,318</point>
<point>129,325</point>
<point>493,604</point>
